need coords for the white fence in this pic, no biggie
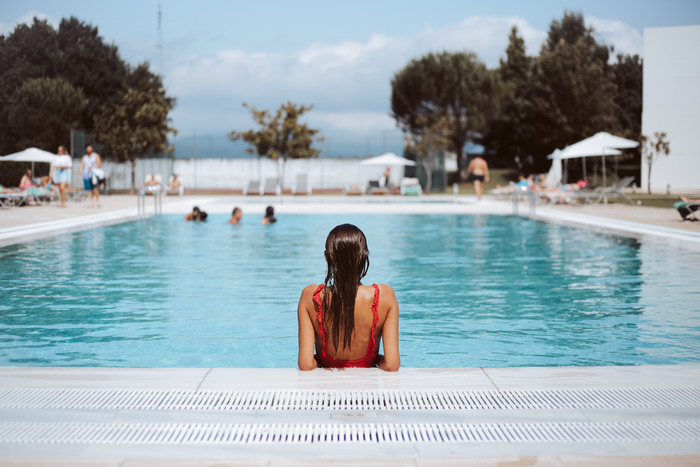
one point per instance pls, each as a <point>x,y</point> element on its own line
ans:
<point>235,174</point>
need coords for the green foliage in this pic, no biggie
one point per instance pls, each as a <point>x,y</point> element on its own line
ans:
<point>280,135</point>
<point>508,135</point>
<point>563,95</point>
<point>652,148</point>
<point>42,112</point>
<point>427,146</point>
<point>74,52</point>
<point>90,64</point>
<point>455,86</point>
<point>136,125</point>
<point>627,75</point>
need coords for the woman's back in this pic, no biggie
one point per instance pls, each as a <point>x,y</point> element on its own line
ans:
<point>369,332</point>
<point>366,336</point>
<point>342,322</point>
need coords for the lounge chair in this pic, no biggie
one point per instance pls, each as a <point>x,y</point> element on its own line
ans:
<point>688,211</point>
<point>271,187</point>
<point>253,188</point>
<point>9,199</point>
<point>607,192</point>
<point>175,191</point>
<point>354,190</point>
<point>374,188</point>
<point>39,195</point>
<point>302,184</point>
<point>410,187</point>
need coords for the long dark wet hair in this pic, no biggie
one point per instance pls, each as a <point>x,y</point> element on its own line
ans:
<point>347,256</point>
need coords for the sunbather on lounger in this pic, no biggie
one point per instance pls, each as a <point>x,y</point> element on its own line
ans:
<point>687,207</point>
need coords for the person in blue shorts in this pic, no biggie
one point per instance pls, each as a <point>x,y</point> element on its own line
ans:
<point>91,160</point>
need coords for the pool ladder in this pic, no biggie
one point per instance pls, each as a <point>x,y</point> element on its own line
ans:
<point>532,201</point>
<point>157,192</point>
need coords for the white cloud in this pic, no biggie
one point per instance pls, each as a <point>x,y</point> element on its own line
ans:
<point>348,82</point>
<point>352,121</point>
<point>28,18</point>
<point>622,36</point>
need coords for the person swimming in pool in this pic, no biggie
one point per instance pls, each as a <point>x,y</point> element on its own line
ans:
<point>197,215</point>
<point>236,216</point>
<point>343,320</point>
<point>269,216</point>
<point>194,215</point>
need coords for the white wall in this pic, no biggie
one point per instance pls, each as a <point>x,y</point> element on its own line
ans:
<point>234,174</point>
<point>671,103</point>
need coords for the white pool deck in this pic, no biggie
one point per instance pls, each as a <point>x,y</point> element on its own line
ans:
<point>643,415</point>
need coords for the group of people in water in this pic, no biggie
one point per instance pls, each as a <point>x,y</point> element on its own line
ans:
<point>197,215</point>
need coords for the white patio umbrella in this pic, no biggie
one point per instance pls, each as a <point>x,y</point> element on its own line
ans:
<point>388,158</point>
<point>30,155</point>
<point>554,175</point>
<point>601,144</point>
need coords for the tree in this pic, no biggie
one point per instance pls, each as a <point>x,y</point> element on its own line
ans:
<point>138,124</point>
<point>281,136</point>
<point>508,135</point>
<point>572,94</point>
<point>627,75</point>
<point>87,62</point>
<point>28,52</point>
<point>42,112</point>
<point>75,52</point>
<point>428,145</point>
<point>652,149</point>
<point>454,86</point>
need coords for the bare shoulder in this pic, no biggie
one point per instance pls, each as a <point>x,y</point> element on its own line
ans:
<point>308,291</point>
<point>386,293</point>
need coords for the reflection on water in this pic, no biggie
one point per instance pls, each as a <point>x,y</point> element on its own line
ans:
<point>473,291</point>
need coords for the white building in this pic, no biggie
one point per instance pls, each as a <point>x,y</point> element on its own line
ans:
<point>671,103</point>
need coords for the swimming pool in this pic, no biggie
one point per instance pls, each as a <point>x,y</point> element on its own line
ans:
<point>473,291</point>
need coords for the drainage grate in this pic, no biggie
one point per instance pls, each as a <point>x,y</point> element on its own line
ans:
<point>191,400</point>
<point>226,434</point>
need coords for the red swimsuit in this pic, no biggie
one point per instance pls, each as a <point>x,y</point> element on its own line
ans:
<point>370,358</point>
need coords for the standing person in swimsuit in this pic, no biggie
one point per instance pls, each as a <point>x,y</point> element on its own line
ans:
<point>344,320</point>
<point>480,169</point>
<point>91,160</point>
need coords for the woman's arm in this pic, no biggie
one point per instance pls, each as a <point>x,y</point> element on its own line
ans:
<point>99,162</point>
<point>390,361</point>
<point>306,361</point>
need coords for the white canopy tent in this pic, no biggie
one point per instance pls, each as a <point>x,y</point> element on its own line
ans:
<point>388,159</point>
<point>601,144</point>
<point>554,175</point>
<point>30,155</point>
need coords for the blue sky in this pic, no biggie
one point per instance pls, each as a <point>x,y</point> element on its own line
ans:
<point>339,56</point>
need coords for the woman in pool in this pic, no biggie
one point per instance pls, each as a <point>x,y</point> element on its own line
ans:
<point>269,216</point>
<point>344,320</point>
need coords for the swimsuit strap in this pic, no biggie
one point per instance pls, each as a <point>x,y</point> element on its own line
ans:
<point>317,299</point>
<point>375,318</point>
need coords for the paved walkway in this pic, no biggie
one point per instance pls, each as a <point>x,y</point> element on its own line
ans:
<point>648,415</point>
<point>663,217</point>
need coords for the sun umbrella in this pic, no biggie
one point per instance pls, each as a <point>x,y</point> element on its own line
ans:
<point>554,176</point>
<point>388,158</point>
<point>601,144</point>
<point>30,155</point>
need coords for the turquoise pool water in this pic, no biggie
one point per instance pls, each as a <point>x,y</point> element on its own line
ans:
<point>473,291</point>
